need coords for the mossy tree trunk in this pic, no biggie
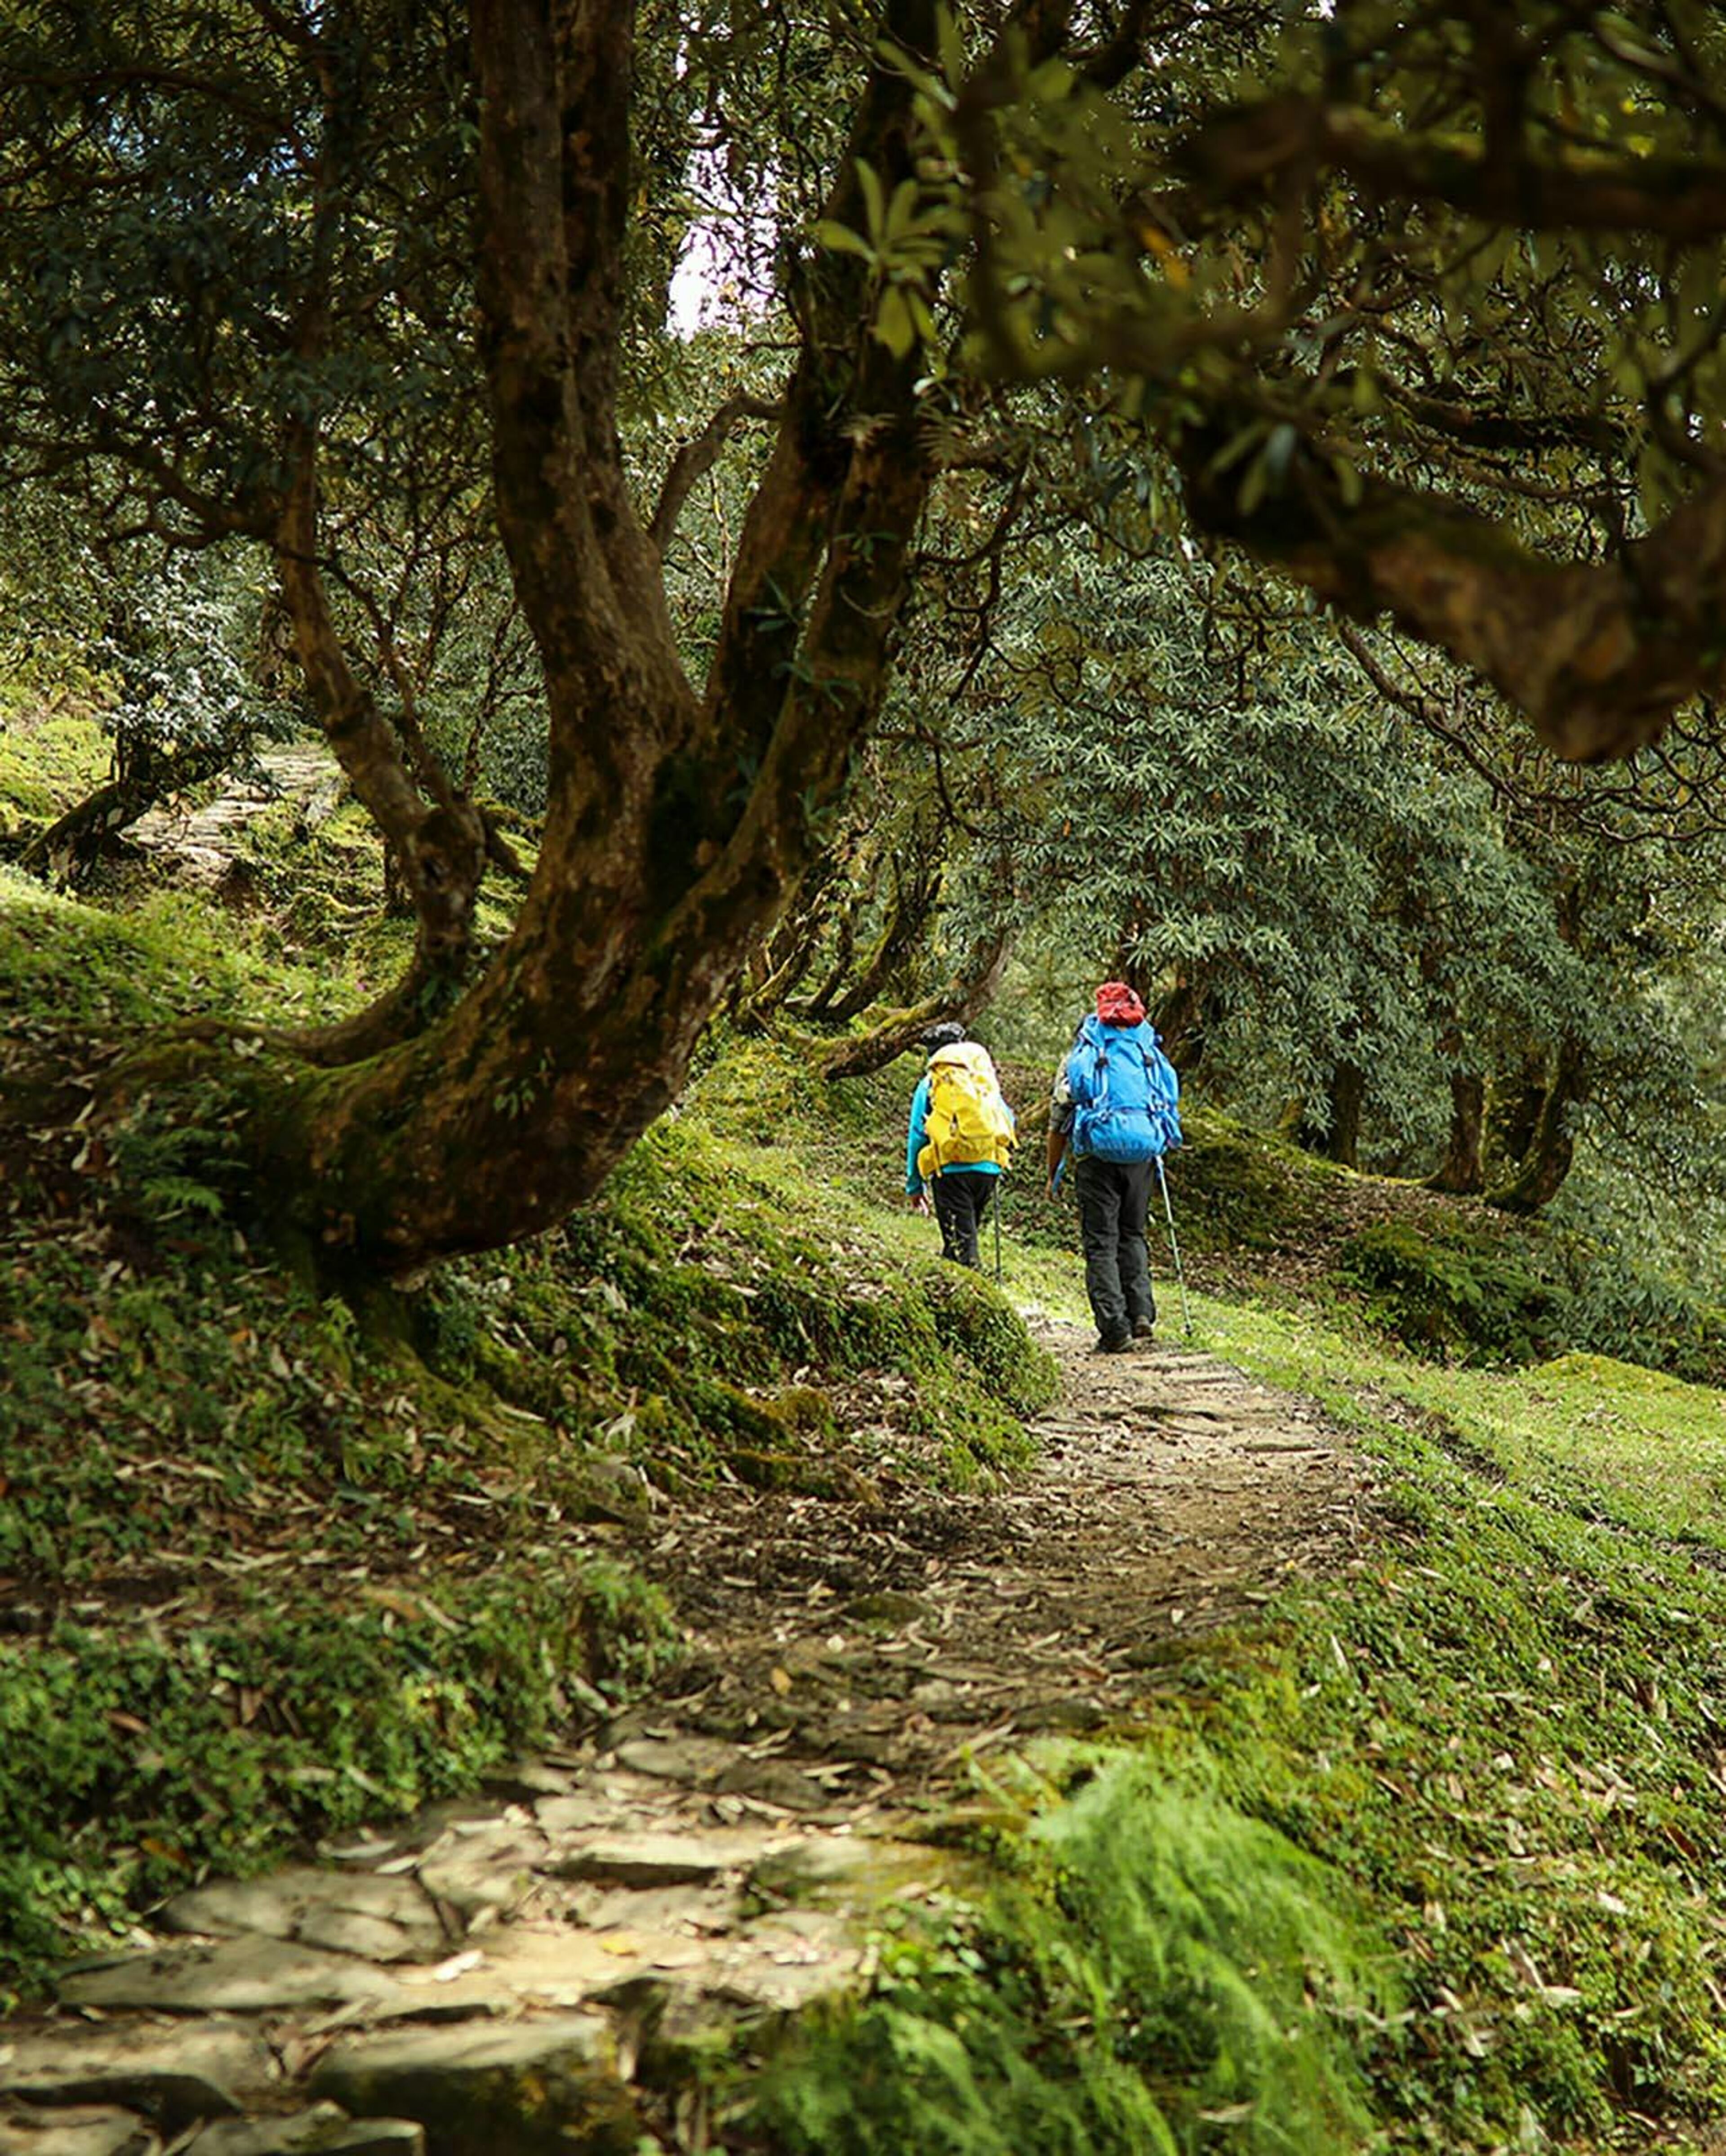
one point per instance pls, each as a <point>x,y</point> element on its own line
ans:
<point>1345,1096</point>
<point>1463,1171</point>
<point>1181,1017</point>
<point>1552,1143</point>
<point>968,992</point>
<point>678,822</point>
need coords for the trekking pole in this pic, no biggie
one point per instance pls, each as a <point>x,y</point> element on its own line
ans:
<point>1174,1247</point>
<point>997,1231</point>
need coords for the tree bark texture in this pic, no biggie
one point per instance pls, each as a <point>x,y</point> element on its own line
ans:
<point>677,822</point>
<point>969,991</point>
<point>1463,1171</point>
<point>1552,1145</point>
<point>1180,1019</point>
<point>1345,1096</point>
<point>913,904</point>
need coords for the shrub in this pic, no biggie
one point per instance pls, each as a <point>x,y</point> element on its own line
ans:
<point>1448,1295</point>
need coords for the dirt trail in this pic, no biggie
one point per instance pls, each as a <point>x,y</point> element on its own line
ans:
<point>705,1857</point>
<point>1173,1495</point>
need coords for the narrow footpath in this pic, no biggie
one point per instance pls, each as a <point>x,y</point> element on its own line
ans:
<point>542,1968</point>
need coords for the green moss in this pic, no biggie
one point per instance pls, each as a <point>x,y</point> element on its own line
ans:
<point>49,760</point>
<point>1515,1294</point>
<point>135,1757</point>
<point>1240,1190</point>
<point>1504,1729</point>
<point>1190,1959</point>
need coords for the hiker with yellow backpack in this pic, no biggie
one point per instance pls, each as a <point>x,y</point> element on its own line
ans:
<point>961,1134</point>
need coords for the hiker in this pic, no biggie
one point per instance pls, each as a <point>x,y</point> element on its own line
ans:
<point>961,1135</point>
<point>1114,1106</point>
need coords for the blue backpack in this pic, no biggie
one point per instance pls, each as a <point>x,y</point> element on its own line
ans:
<point>1125,1093</point>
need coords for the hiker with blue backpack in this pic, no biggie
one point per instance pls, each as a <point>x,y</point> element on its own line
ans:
<point>961,1136</point>
<point>1115,1108</point>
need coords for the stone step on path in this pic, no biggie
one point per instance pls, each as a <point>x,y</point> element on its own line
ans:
<point>494,1977</point>
<point>545,1968</point>
<point>199,844</point>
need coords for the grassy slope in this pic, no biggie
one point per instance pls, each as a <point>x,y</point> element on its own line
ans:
<point>364,1547</point>
<point>269,1563</point>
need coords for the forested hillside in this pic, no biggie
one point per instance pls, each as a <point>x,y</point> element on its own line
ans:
<point>283,1564</point>
<point>584,592</point>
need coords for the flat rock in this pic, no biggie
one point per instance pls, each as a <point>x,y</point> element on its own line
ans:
<point>786,1962</point>
<point>324,2130</point>
<point>525,1780</point>
<point>658,1860</point>
<point>248,1975</point>
<point>773,1782</point>
<point>543,1966</point>
<point>172,2074</point>
<point>694,1761</point>
<point>370,1938</point>
<point>492,1869</point>
<point>535,2088</point>
<point>847,1870</point>
<point>302,1902</point>
<point>82,2130</point>
<point>575,1814</point>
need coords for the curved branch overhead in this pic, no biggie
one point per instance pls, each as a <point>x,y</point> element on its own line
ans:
<point>1243,151</point>
<point>1597,655</point>
<point>1435,328</point>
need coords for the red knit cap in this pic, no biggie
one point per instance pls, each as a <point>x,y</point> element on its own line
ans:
<point>1117,1005</point>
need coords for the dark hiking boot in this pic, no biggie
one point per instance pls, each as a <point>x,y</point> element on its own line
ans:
<point>1144,1328</point>
<point>1113,1344</point>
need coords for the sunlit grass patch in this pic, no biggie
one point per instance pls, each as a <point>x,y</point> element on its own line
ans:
<point>50,759</point>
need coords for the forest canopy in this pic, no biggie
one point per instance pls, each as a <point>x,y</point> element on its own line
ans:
<point>355,319</point>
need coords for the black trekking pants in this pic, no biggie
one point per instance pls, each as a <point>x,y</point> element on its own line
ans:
<point>1114,1202</point>
<point>962,1200</point>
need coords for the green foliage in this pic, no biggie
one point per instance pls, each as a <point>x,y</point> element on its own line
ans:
<point>1239,1190</point>
<point>1193,1960</point>
<point>132,1761</point>
<point>1466,1292</point>
<point>48,759</point>
<point>1451,1291</point>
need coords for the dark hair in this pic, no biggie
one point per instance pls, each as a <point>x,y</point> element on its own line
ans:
<point>944,1036</point>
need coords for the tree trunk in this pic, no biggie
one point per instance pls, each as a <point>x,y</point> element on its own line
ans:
<point>437,847</point>
<point>676,824</point>
<point>1345,1095</point>
<point>1463,1170</point>
<point>1552,1145</point>
<point>1517,1105</point>
<point>913,902</point>
<point>1180,1020</point>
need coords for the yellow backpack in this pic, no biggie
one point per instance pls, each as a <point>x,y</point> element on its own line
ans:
<point>968,1121</point>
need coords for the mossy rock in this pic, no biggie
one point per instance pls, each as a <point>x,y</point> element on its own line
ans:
<point>972,1319</point>
<point>805,1408</point>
